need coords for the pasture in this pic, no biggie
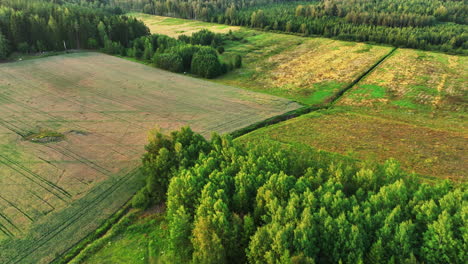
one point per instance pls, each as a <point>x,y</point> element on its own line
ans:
<point>175,27</point>
<point>308,70</point>
<point>72,130</point>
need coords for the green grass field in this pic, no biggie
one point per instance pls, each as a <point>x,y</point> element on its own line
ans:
<point>72,130</point>
<point>137,239</point>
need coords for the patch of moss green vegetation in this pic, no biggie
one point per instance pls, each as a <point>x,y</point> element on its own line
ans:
<point>405,104</point>
<point>367,48</point>
<point>140,241</point>
<point>323,92</point>
<point>45,136</point>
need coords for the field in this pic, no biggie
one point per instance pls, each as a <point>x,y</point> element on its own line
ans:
<point>72,129</point>
<point>418,97</point>
<point>308,70</point>
<point>426,88</point>
<point>175,27</point>
<point>412,107</point>
<point>425,151</point>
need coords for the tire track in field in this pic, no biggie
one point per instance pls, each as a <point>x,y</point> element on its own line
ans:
<point>18,209</point>
<point>71,220</point>
<point>25,172</point>
<point>5,229</point>
<point>57,119</point>
<point>71,154</point>
<point>39,177</point>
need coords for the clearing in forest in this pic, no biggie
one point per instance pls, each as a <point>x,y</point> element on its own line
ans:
<point>72,130</point>
<point>175,27</point>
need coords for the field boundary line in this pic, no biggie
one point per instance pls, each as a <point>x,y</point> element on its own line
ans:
<point>339,94</point>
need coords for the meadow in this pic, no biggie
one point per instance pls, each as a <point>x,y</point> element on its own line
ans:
<point>308,70</point>
<point>424,88</point>
<point>175,27</point>
<point>72,131</point>
<point>425,151</point>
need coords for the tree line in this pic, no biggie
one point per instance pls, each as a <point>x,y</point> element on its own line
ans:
<point>429,25</point>
<point>40,25</point>
<point>229,202</point>
<point>37,26</point>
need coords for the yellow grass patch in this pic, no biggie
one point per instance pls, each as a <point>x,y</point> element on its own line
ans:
<point>175,27</point>
<point>320,60</point>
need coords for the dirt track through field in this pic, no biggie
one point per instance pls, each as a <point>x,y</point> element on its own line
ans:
<point>104,106</point>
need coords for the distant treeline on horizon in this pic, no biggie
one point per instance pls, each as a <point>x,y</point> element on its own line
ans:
<point>423,24</point>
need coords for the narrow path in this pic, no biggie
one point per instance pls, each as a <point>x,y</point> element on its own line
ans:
<point>307,109</point>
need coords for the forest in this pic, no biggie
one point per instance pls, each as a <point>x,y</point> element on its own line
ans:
<point>38,26</point>
<point>429,25</point>
<point>229,202</point>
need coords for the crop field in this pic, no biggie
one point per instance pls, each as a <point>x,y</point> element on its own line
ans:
<point>425,151</point>
<point>425,88</point>
<point>308,70</point>
<point>72,129</point>
<point>175,27</point>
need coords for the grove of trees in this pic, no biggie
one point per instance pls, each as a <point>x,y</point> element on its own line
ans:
<point>423,24</point>
<point>229,202</point>
<point>196,54</point>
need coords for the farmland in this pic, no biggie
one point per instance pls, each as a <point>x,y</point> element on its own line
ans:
<point>418,97</point>
<point>426,88</point>
<point>72,130</point>
<point>308,70</point>
<point>412,107</point>
<point>175,27</point>
<point>422,150</point>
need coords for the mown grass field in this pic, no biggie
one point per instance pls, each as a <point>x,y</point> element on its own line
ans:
<point>308,70</point>
<point>72,130</point>
<point>175,27</point>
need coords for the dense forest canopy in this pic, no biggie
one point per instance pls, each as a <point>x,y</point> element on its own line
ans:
<point>424,24</point>
<point>41,25</point>
<point>30,26</point>
<point>233,203</point>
